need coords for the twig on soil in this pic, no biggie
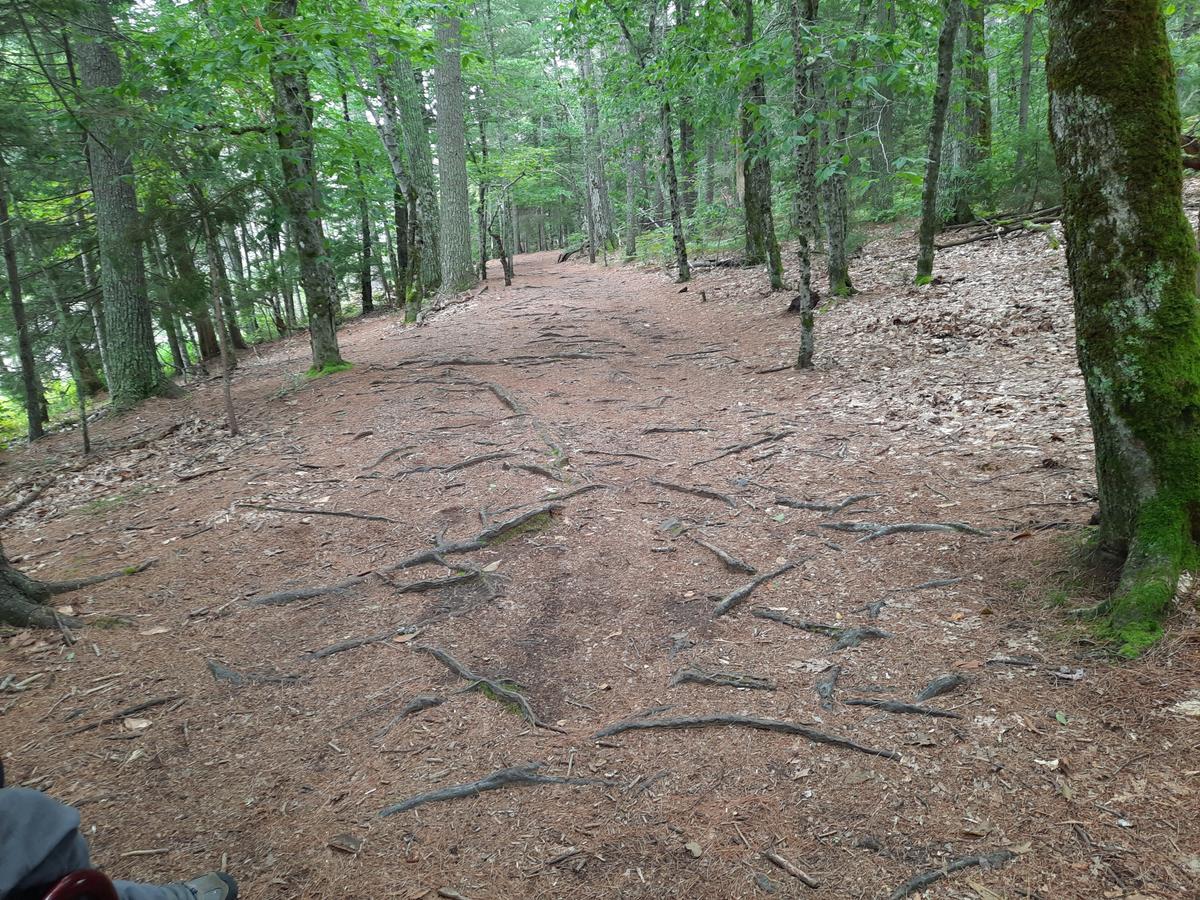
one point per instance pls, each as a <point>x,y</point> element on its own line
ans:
<point>826,684</point>
<point>873,530</point>
<point>495,686</point>
<point>772,857</point>
<point>238,679</point>
<point>749,445</point>
<point>694,675</point>
<point>310,511</point>
<point>817,506</point>
<point>943,684</point>
<point>128,711</point>
<point>729,719</point>
<point>733,599</point>
<point>514,776</point>
<point>707,493</point>
<point>731,562</point>
<point>896,706</point>
<point>925,879</point>
<point>415,705</point>
<point>844,637</point>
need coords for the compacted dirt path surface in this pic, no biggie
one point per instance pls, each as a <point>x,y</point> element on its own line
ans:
<point>554,489</point>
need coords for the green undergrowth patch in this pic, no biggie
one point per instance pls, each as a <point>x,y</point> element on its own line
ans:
<point>533,525</point>
<point>328,369</point>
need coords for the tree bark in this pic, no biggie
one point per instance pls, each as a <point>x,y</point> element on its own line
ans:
<point>293,113</point>
<point>34,400</point>
<point>131,361</point>
<point>937,130</point>
<point>677,238</point>
<point>762,246</point>
<point>802,19</point>
<point>458,270</point>
<point>1115,125</point>
<point>975,143</point>
<point>1023,92</point>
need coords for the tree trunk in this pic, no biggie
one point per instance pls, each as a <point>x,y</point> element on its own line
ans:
<point>975,144</point>
<point>761,244</point>
<point>458,271</point>
<point>631,212</point>
<point>805,211</point>
<point>293,111</point>
<point>132,363</point>
<point>677,239</point>
<point>593,154</point>
<point>1023,94</point>
<point>710,171</point>
<point>937,130</point>
<point>35,402</point>
<point>1115,125</point>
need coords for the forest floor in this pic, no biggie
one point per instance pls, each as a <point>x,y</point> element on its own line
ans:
<point>957,402</point>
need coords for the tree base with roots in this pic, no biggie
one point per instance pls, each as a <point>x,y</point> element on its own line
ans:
<point>25,602</point>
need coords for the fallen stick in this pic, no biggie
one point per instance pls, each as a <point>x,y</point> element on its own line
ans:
<point>817,506</point>
<point>874,530</point>
<point>128,711</point>
<point>825,686</point>
<point>749,445</point>
<point>733,599</point>
<point>775,859</point>
<point>695,675</point>
<point>415,705</point>
<point>515,776</point>
<point>729,719</point>
<point>731,562</point>
<point>925,879</point>
<point>707,493</point>
<point>844,638</point>
<point>309,511</point>
<point>496,686</point>
<point>943,684</point>
<point>896,706</point>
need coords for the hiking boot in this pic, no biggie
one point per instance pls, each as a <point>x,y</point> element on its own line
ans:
<point>213,886</point>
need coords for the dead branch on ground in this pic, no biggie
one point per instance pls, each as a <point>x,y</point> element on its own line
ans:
<point>19,504</point>
<point>775,859</point>
<point>128,711</point>
<point>925,879</point>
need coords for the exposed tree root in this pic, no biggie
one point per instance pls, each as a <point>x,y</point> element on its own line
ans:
<point>749,445</point>
<point>731,562</point>
<point>544,471</point>
<point>694,675</point>
<point>495,686</point>
<point>239,679</point>
<point>733,599</point>
<point>925,879</point>
<point>826,684</point>
<point>415,705</point>
<point>65,587</point>
<point>436,584</point>
<point>873,531</point>
<point>515,776</point>
<point>943,684</point>
<point>897,706</point>
<point>19,504</point>
<point>619,453</point>
<point>775,859</point>
<point>930,585</point>
<point>310,511</point>
<point>355,643</point>
<point>817,506</point>
<point>462,464</point>
<point>670,429</point>
<point>729,719</point>
<point>283,598</point>
<point>844,638</point>
<point>24,601</point>
<point>707,493</point>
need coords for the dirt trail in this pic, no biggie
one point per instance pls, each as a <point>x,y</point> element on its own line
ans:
<point>934,405</point>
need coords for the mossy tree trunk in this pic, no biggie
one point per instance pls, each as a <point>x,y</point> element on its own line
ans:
<point>1115,125</point>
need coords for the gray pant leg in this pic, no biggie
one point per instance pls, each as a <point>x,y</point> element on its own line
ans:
<point>40,843</point>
